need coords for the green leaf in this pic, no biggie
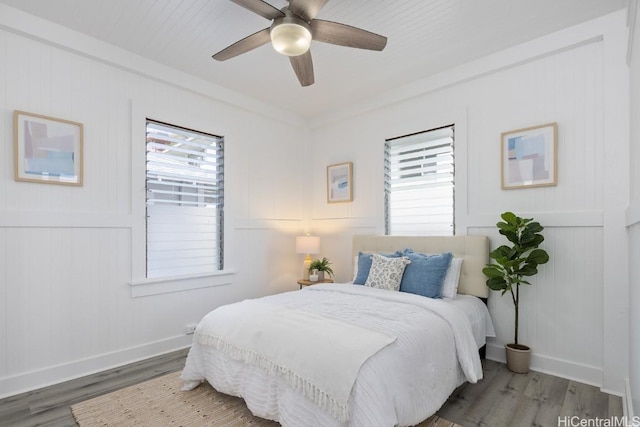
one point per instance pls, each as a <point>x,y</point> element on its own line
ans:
<point>497,284</point>
<point>526,237</point>
<point>509,218</point>
<point>514,263</point>
<point>501,252</point>
<point>534,227</point>
<point>537,240</point>
<point>528,269</point>
<point>511,236</point>
<point>505,226</point>
<point>492,270</point>
<point>539,256</point>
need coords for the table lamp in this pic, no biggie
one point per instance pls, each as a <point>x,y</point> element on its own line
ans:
<point>307,245</point>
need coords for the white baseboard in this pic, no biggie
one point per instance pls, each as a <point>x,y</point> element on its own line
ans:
<point>586,374</point>
<point>44,377</point>
<point>627,401</point>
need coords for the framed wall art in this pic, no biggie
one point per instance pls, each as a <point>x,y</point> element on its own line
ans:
<point>529,157</point>
<point>47,149</point>
<point>340,183</point>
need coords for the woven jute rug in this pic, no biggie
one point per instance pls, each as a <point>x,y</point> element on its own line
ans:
<point>161,402</point>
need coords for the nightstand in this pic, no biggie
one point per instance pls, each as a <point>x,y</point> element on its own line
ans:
<point>304,283</point>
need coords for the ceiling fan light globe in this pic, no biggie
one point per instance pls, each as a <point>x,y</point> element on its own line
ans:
<point>290,39</point>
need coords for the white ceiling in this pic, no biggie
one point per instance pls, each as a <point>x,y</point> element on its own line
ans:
<point>424,37</point>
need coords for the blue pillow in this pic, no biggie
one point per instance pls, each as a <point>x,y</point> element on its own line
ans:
<point>425,275</point>
<point>364,265</point>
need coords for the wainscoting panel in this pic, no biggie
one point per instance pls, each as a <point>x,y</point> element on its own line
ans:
<point>561,312</point>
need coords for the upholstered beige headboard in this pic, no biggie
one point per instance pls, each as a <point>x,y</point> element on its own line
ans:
<point>474,250</point>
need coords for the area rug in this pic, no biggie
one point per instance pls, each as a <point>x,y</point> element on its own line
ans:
<point>161,402</point>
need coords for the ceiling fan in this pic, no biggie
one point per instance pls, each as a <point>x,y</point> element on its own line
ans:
<point>291,32</point>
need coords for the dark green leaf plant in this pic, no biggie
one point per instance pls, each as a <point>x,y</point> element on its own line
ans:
<point>515,262</point>
<point>321,265</point>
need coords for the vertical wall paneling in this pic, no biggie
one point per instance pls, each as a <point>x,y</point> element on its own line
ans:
<point>615,202</point>
<point>633,382</point>
<point>3,298</point>
<point>633,213</point>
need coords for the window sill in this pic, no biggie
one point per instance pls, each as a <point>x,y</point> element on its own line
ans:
<point>164,285</point>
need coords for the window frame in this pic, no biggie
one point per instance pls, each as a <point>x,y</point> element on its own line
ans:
<point>388,143</point>
<point>135,225</point>
<point>188,182</point>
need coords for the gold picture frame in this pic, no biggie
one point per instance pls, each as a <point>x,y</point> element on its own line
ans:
<point>340,183</point>
<point>46,149</point>
<point>530,157</point>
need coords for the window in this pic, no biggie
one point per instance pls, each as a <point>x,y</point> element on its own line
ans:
<point>419,183</point>
<point>185,199</point>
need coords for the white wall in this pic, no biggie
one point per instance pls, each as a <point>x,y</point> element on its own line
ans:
<point>68,254</point>
<point>575,316</point>
<point>633,213</point>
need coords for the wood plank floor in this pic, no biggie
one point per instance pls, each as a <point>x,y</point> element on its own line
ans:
<point>502,398</point>
<point>50,406</point>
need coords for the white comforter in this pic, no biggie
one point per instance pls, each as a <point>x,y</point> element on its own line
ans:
<point>403,384</point>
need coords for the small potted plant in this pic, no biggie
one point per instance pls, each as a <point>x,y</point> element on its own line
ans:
<point>512,264</point>
<point>321,266</point>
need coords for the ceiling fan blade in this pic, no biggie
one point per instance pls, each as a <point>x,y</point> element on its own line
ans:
<point>306,9</point>
<point>245,45</point>
<point>261,8</point>
<point>303,67</point>
<point>346,35</point>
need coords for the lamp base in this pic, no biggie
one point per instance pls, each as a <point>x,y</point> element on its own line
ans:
<point>305,268</point>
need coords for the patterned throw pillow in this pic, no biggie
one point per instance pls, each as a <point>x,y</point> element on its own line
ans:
<point>386,273</point>
<point>364,266</point>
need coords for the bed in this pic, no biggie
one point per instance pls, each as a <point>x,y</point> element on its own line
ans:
<point>347,355</point>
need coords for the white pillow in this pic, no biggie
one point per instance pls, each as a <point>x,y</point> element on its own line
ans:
<point>355,267</point>
<point>386,273</point>
<point>450,284</point>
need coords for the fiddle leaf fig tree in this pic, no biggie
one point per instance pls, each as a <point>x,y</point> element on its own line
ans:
<point>515,262</point>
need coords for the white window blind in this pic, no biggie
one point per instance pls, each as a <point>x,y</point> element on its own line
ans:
<point>419,184</point>
<point>185,199</point>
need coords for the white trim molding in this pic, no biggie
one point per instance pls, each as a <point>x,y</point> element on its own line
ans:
<point>148,287</point>
<point>40,378</point>
<point>267,224</point>
<point>632,13</point>
<point>627,401</point>
<point>586,374</point>
<point>593,218</point>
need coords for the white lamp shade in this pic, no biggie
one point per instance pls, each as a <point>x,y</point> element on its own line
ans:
<point>290,39</point>
<point>307,244</point>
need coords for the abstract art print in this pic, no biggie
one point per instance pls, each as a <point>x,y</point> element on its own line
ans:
<point>339,183</point>
<point>529,157</point>
<point>47,149</point>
